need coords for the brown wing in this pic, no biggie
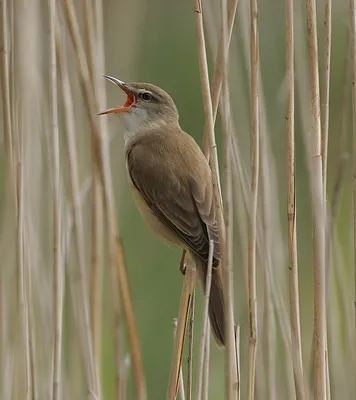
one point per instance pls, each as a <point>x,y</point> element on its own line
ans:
<point>181,198</point>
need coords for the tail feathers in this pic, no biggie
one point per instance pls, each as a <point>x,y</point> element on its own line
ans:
<point>217,309</point>
<point>216,301</point>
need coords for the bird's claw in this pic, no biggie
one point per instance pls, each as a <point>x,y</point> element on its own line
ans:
<point>183,265</point>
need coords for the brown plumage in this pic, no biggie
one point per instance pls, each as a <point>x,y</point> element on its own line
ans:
<point>172,186</point>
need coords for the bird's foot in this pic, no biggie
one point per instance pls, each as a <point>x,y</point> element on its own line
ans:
<point>183,265</point>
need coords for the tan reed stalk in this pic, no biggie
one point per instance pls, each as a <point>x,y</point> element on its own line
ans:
<point>8,361</point>
<point>9,174</point>
<point>230,359</point>
<point>318,217</point>
<point>325,91</point>
<point>238,362</point>
<point>57,231</point>
<point>218,74</point>
<point>181,392</point>
<point>97,255</point>
<point>176,362</point>
<point>22,287</point>
<point>95,59</point>
<point>254,165</point>
<point>296,344</point>
<point>103,167</point>
<point>268,329</point>
<point>190,347</point>
<point>89,36</point>
<point>205,394</point>
<point>205,322</point>
<point>325,98</point>
<point>209,120</point>
<point>353,69</point>
<point>35,374</point>
<point>5,89</point>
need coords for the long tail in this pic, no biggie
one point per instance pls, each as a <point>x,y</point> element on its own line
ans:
<point>216,301</point>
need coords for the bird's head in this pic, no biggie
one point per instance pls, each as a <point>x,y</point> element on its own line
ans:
<point>145,104</point>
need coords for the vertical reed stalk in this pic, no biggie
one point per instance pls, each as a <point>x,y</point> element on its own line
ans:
<point>353,69</point>
<point>230,354</point>
<point>296,345</point>
<point>24,333</point>
<point>205,394</point>
<point>176,362</point>
<point>318,217</point>
<point>219,70</point>
<point>94,52</point>
<point>181,392</point>
<point>205,322</point>
<point>5,88</point>
<point>238,362</point>
<point>57,232</point>
<point>254,165</point>
<point>190,344</point>
<point>325,91</point>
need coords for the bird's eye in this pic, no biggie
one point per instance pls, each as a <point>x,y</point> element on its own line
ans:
<point>146,96</point>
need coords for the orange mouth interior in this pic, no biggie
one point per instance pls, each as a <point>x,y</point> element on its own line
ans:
<point>130,101</point>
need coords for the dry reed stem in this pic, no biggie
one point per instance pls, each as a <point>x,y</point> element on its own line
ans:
<point>219,71</point>
<point>89,37</point>
<point>238,362</point>
<point>325,99</point>
<point>318,210</point>
<point>57,231</point>
<point>24,333</point>
<point>205,394</point>
<point>94,58</point>
<point>230,351</point>
<point>353,68</point>
<point>35,375</point>
<point>176,362</point>
<point>9,172</point>
<point>103,168</point>
<point>190,345</point>
<point>268,327</point>
<point>181,392</point>
<point>325,92</point>
<point>296,344</point>
<point>5,89</point>
<point>254,165</point>
<point>205,321</point>
<point>97,261</point>
<point>209,120</point>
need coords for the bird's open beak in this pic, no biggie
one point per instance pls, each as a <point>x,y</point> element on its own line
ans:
<point>130,101</point>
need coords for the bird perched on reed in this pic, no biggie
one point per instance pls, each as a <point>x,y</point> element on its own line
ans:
<point>171,182</point>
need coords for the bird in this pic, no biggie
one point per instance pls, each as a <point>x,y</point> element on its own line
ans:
<point>171,182</point>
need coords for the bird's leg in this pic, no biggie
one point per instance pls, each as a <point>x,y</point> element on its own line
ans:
<point>183,265</point>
